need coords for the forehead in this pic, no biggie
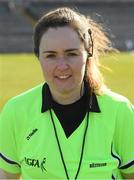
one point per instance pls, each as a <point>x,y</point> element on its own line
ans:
<point>60,38</point>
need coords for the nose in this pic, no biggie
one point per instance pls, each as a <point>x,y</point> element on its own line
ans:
<point>62,64</point>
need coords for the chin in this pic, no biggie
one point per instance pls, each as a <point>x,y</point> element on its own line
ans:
<point>65,90</point>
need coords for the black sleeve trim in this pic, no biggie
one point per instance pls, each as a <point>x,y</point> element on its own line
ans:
<point>8,160</point>
<point>113,178</point>
<point>127,165</point>
<point>115,156</point>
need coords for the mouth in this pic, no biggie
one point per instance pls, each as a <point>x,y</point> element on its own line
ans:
<point>63,77</point>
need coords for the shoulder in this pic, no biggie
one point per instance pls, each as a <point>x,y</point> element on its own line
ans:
<point>110,98</point>
<point>115,105</point>
<point>21,111</point>
<point>26,99</point>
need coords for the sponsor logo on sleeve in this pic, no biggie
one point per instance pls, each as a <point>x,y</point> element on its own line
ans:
<point>95,165</point>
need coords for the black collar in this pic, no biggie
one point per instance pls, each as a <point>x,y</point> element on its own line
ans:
<point>47,100</point>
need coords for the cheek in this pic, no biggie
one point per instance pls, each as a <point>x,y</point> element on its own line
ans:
<point>79,72</point>
<point>83,71</point>
<point>80,67</point>
<point>46,69</point>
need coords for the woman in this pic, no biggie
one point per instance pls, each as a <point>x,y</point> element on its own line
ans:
<point>71,127</point>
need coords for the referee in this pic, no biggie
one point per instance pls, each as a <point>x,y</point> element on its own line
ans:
<point>72,126</point>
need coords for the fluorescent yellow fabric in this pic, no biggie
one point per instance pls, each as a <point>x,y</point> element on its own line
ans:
<point>28,144</point>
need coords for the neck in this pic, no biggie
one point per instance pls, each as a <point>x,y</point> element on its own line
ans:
<point>67,98</point>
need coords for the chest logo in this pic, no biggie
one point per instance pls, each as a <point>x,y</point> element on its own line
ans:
<point>32,133</point>
<point>36,163</point>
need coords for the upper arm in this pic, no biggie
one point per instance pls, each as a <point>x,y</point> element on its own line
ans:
<point>123,139</point>
<point>6,175</point>
<point>9,160</point>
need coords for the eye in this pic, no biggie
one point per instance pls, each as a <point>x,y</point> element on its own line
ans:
<point>50,56</point>
<point>72,54</point>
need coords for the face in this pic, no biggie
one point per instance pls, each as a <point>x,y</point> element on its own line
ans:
<point>63,58</point>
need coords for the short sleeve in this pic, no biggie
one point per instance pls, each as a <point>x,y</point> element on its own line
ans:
<point>124,137</point>
<point>8,149</point>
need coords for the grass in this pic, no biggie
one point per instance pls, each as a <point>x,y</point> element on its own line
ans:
<point>19,72</point>
<point>120,76</point>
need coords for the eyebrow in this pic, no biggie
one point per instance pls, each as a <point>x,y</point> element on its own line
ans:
<point>67,50</point>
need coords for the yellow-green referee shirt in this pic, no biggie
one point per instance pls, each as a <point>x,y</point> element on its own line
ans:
<point>28,145</point>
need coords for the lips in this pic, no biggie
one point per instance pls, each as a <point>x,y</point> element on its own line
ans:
<point>63,77</point>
